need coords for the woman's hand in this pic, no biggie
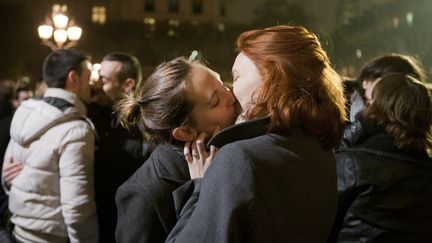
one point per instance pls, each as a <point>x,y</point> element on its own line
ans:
<point>197,156</point>
<point>11,170</point>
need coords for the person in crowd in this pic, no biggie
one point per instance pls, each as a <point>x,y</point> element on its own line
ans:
<point>274,177</point>
<point>52,198</point>
<point>178,100</point>
<point>385,175</point>
<point>22,94</point>
<point>6,113</point>
<point>359,91</point>
<point>120,152</point>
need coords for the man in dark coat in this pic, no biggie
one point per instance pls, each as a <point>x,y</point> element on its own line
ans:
<point>119,151</point>
<point>6,114</point>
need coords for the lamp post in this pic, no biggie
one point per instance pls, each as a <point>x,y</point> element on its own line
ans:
<point>59,28</point>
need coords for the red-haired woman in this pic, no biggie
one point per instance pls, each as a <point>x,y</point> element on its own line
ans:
<point>274,177</point>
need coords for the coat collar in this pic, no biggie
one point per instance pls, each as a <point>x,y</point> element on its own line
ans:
<point>245,130</point>
<point>371,139</point>
<point>171,164</point>
<point>69,97</point>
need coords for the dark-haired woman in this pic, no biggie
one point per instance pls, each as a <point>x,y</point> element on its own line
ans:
<point>361,89</point>
<point>385,176</point>
<point>179,100</point>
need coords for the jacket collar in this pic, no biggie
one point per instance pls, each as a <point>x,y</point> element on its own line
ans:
<point>245,130</point>
<point>171,164</point>
<point>371,139</point>
<point>69,97</point>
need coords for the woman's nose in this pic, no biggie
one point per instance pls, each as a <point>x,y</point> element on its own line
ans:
<point>230,96</point>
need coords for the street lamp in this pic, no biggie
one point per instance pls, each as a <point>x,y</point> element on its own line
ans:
<point>58,26</point>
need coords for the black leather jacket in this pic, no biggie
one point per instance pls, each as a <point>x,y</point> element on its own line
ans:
<point>385,194</point>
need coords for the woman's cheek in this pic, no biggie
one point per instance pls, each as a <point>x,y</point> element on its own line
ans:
<point>238,96</point>
<point>219,119</point>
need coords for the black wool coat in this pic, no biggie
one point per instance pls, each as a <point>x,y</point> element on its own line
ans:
<point>119,153</point>
<point>145,204</point>
<point>6,114</point>
<point>266,188</point>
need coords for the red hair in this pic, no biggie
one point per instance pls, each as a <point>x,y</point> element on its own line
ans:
<point>299,86</point>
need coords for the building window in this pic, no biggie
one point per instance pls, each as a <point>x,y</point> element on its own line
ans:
<point>222,10</point>
<point>221,27</point>
<point>149,5</point>
<point>197,7</point>
<point>151,23</point>
<point>173,23</point>
<point>173,6</point>
<point>99,15</point>
<point>173,27</point>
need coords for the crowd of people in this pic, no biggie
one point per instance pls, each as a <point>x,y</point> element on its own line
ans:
<point>291,152</point>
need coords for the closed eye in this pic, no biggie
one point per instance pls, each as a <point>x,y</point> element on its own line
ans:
<point>215,97</point>
<point>214,100</point>
<point>215,103</point>
<point>235,76</point>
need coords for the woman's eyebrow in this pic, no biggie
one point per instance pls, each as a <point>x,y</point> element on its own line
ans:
<point>215,74</point>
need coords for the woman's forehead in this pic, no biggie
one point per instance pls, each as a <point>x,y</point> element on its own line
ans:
<point>202,84</point>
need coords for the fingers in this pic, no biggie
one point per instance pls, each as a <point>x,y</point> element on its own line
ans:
<point>216,131</point>
<point>10,177</point>
<point>15,161</point>
<point>200,145</point>
<point>11,172</point>
<point>209,160</point>
<point>195,154</point>
<point>194,164</point>
<point>12,168</point>
<point>213,150</point>
<point>187,152</point>
<point>201,137</point>
<point>9,166</point>
<point>190,151</point>
<point>198,156</point>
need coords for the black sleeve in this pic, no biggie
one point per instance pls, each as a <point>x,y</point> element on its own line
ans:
<point>348,188</point>
<point>186,196</point>
<point>137,219</point>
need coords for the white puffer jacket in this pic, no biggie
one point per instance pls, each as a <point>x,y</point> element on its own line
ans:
<point>54,192</point>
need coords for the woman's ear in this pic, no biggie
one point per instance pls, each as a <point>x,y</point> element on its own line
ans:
<point>366,84</point>
<point>184,133</point>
